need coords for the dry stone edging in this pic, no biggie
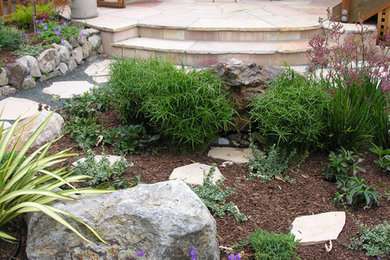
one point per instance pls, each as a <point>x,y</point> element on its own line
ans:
<point>165,219</point>
<point>53,62</point>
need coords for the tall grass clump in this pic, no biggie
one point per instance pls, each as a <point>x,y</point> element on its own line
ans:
<point>291,112</point>
<point>186,107</point>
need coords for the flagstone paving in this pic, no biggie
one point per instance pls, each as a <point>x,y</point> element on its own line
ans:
<point>236,155</point>
<point>195,173</point>
<point>66,89</point>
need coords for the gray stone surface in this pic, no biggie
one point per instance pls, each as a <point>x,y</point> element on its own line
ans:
<point>100,50</point>
<point>73,42</point>
<point>29,82</point>
<point>48,60</point>
<point>51,75</point>
<point>16,72</point>
<point>14,107</point>
<point>77,54</point>
<point>8,90</point>
<point>33,66</point>
<point>194,173</point>
<point>165,219</point>
<point>3,77</point>
<point>87,49</point>
<point>30,124</point>
<point>72,64</point>
<point>90,31</point>
<point>95,41</point>
<point>67,45</point>
<point>63,68</point>
<point>313,229</point>
<point>64,54</point>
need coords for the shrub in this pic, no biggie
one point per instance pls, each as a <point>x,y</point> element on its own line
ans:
<point>214,197</point>
<point>383,157</point>
<point>273,165</point>
<point>375,240</point>
<point>24,15</point>
<point>291,112</point>
<point>269,245</point>
<point>10,38</point>
<point>28,183</point>
<point>188,108</point>
<point>100,171</point>
<point>354,113</point>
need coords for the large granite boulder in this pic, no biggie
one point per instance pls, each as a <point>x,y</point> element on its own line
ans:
<point>16,73</point>
<point>165,220</point>
<point>48,60</point>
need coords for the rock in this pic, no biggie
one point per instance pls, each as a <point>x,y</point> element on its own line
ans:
<point>194,173</point>
<point>3,77</point>
<point>8,90</point>
<point>63,68</point>
<point>51,75</point>
<point>239,140</point>
<point>99,68</point>
<point>66,89</point>
<point>100,49</point>
<point>165,219</point>
<point>82,39</point>
<point>64,54</point>
<point>12,107</point>
<point>73,42</point>
<point>48,60</point>
<point>236,155</point>
<point>72,64</point>
<point>23,61</point>
<point>92,56</point>
<point>95,41</point>
<point>87,49</point>
<point>52,129</point>
<point>32,64</point>
<point>16,72</point>
<point>318,228</point>
<point>67,45</point>
<point>29,82</point>
<point>221,141</point>
<point>77,54</point>
<point>90,31</point>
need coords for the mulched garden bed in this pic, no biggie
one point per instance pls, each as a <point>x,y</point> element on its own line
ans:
<point>271,205</point>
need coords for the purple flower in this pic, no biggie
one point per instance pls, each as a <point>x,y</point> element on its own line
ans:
<point>45,27</point>
<point>65,23</point>
<point>59,28</point>
<point>232,257</point>
<point>36,21</point>
<point>141,253</point>
<point>39,32</point>
<point>378,257</point>
<point>57,32</point>
<point>62,40</point>
<point>238,256</point>
<point>192,252</point>
<point>43,19</point>
<point>81,33</point>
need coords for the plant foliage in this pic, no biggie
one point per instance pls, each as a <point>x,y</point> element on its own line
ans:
<point>186,107</point>
<point>28,183</point>
<point>10,38</point>
<point>24,15</point>
<point>291,112</point>
<point>383,157</point>
<point>214,197</point>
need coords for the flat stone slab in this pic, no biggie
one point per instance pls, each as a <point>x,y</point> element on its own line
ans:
<point>194,173</point>
<point>236,155</point>
<point>66,89</point>
<point>101,79</point>
<point>99,68</point>
<point>12,108</point>
<point>318,228</point>
<point>111,158</point>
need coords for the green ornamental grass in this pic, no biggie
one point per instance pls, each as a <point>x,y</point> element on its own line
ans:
<point>28,182</point>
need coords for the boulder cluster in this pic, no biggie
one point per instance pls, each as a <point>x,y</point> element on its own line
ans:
<point>55,61</point>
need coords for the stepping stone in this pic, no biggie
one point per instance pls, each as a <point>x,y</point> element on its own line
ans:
<point>194,173</point>
<point>66,89</point>
<point>111,158</point>
<point>99,71</point>
<point>12,108</point>
<point>236,155</point>
<point>318,228</point>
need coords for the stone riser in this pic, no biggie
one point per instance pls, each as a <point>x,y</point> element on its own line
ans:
<point>193,59</point>
<point>225,35</point>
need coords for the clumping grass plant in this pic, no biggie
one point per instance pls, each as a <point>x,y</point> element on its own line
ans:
<point>28,182</point>
<point>291,112</point>
<point>188,108</point>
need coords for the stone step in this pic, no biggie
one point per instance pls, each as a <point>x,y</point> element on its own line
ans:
<point>208,53</point>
